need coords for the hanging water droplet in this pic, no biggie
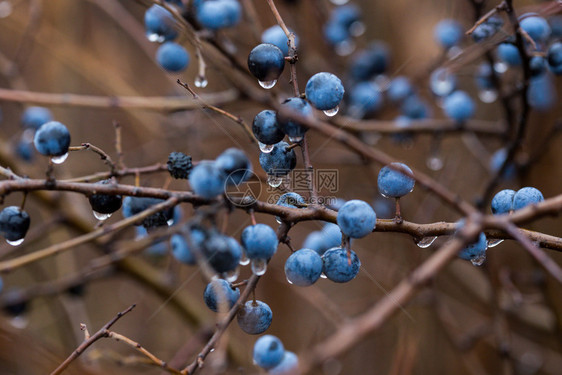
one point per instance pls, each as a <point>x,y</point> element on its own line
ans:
<point>332,112</point>
<point>212,350</point>
<point>59,159</point>
<point>274,181</point>
<point>494,243</point>
<point>454,52</point>
<point>201,82</point>
<point>357,28</point>
<point>296,139</point>
<point>289,281</point>
<point>231,276</point>
<point>259,266</point>
<point>155,37</point>
<point>170,222</point>
<point>488,95</point>
<point>244,260</point>
<point>479,260</point>
<point>500,67</point>
<point>16,242</point>
<point>266,149</point>
<point>344,48</point>
<point>339,2</point>
<point>278,220</point>
<point>267,84</point>
<point>442,82</point>
<point>5,8</point>
<point>435,163</point>
<point>19,321</point>
<point>323,276</point>
<point>100,216</point>
<point>425,242</point>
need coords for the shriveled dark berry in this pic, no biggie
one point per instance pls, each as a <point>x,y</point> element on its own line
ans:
<point>105,203</point>
<point>14,223</point>
<point>135,205</point>
<point>179,165</point>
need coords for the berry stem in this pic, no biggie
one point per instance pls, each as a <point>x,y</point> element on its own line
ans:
<point>252,217</point>
<point>22,206</point>
<point>398,217</point>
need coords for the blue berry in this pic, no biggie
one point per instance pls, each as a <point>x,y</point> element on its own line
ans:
<point>288,365</point>
<point>356,219</point>
<point>508,53</point>
<point>280,161</point>
<point>259,241</point>
<point>254,317</point>
<point>322,240</point>
<point>486,29</point>
<point>181,251</point>
<point>268,351</point>
<point>370,62</point>
<point>234,163</point>
<point>541,93</point>
<point>34,117</point>
<point>497,160</point>
<point>266,62</point>
<point>159,24</point>
<point>526,196</point>
<point>399,89</point>
<point>537,65</point>
<point>340,265</point>
<point>52,139</point>
<point>303,267</point>
<point>554,57</point>
<point>324,91</point>
<point>384,208</point>
<point>14,223</point>
<point>555,23</point>
<point>364,98</point>
<point>393,183</point>
<point>502,203</point>
<point>219,14</point>
<point>448,33</point>
<point>292,200</point>
<point>290,127</point>
<point>24,150</point>
<point>484,77</point>
<point>172,57</point>
<point>476,249</point>
<point>459,106</point>
<point>219,292</point>
<point>415,108</point>
<point>335,33</point>
<point>207,179</point>
<point>222,252</point>
<point>537,27</point>
<point>266,129</point>
<point>315,241</point>
<point>275,35</point>
<point>346,15</point>
<point>105,203</point>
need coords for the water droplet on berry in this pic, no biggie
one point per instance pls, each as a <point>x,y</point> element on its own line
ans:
<point>479,260</point>
<point>339,2</point>
<point>259,266</point>
<point>274,181</point>
<point>425,242</point>
<point>442,82</point>
<point>267,84</point>
<point>500,67</point>
<point>332,112</point>
<point>296,139</point>
<point>212,350</point>
<point>201,82</point>
<point>435,163</point>
<point>100,216</point>
<point>19,321</point>
<point>289,281</point>
<point>323,276</point>
<point>494,243</point>
<point>16,242</point>
<point>344,48</point>
<point>231,276</point>
<point>155,37</point>
<point>59,159</point>
<point>5,8</point>
<point>170,222</point>
<point>244,260</point>
<point>488,95</point>
<point>266,149</point>
<point>357,28</point>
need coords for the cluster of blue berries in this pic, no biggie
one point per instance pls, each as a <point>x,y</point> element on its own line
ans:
<point>270,354</point>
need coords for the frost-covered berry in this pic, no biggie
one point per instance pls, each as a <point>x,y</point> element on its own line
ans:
<point>259,241</point>
<point>340,265</point>
<point>266,62</point>
<point>303,267</point>
<point>324,91</point>
<point>459,106</point>
<point>105,203</point>
<point>220,294</point>
<point>14,223</point>
<point>172,57</point>
<point>268,351</point>
<point>266,129</point>
<point>280,161</point>
<point>502,203</point>
<point>293,128</point>
<point>526,196</point>
<point>234,163</point>
<point>394,184</point>
<point>254,317</point>
<point>34,117</point>
<point>52,139</point>
<point>207,179</point>
<point>356,218</point>
<point>179,165</point>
